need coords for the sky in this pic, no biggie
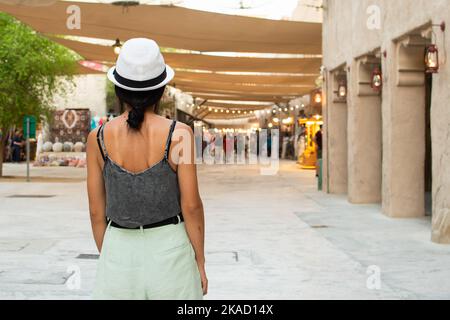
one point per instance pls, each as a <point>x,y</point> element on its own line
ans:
<point>300,10</point>
<point>271,9</point>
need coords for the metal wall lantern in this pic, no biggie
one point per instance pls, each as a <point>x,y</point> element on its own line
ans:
<point>431,59</point>
<point>342,89</point>
<point>117,46</point>
<point>318,97</point>
<point>377,79</point>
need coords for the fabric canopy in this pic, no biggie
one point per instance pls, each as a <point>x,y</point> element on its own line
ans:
<point>244,64</point>
<point>83,70</point>
<point>231,78</point>
<point>221,87</point>
<point>236,105</point>
<point>221,115</point>
<point>35,3</point>
<point>204,62</point>
<point>238,97</point>
<point>182,28</point>
<point>174,27</point>
<point>200,79</point>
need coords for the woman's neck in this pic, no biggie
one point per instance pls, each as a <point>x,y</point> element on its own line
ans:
<point>149,112</point>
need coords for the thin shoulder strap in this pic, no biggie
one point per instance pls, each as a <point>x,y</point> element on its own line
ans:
<point>101,142</point>
<point>169,139</point>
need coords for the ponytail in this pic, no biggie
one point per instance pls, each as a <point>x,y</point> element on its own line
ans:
<point>139,102</point>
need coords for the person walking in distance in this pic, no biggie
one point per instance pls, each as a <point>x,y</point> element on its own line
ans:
<point>146,212</point>
<point>318,141</point>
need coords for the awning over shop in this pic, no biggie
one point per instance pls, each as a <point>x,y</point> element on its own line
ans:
<point>175,27</point>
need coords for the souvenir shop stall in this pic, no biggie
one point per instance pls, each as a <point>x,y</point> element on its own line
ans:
<point>307,147</point>
<point>62,141</point>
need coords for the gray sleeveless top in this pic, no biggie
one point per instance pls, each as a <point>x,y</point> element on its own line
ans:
<point>136,199</point>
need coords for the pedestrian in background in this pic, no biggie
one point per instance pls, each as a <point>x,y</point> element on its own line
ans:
<point>17,144</point>
<point>318,141</point>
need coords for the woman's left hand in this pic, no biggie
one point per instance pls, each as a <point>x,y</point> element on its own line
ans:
<point>204,279</point>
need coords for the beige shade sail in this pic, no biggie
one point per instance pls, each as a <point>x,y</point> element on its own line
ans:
<point>270,96</point>
<point>33,3</point>
<point>221,87</point>
<point>217,113</point>
<point>236,105</point>
<point>83,70</point>
<point>231,78</point>
<point>239,97</point>
<point>100,52</point>
<point>89,51</point>
<point>243,64</point>
<point>172,26</point>
<point>204,62</point>
<point>221,115</point>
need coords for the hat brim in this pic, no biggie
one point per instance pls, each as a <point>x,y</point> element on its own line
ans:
<point>170,73</point>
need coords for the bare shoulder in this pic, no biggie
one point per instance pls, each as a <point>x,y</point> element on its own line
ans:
<point>180,127</point>
<point>92,137</point>
<point>91,146</point>
<point>114,124</point>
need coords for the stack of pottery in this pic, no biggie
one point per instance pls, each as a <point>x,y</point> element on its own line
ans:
<point>68,146</point>
<point>58,154</point>
<point>57,147</point>
<point>78,147</point>
<point>47,147</point>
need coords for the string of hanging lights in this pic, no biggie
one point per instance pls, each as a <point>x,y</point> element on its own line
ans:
<point>248,112</point>
<point>219,110</point>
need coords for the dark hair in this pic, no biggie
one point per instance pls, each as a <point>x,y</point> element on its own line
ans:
<point>139,101</point>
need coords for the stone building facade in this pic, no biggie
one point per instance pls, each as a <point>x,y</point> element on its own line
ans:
<point>388,146</point>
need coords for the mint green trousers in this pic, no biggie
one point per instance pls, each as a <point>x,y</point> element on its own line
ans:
<point>157,264</point>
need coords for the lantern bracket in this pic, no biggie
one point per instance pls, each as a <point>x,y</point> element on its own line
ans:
<point>414,40</point>
<point>365,66</point>
<point>339,78</point>
<point>410,66</point>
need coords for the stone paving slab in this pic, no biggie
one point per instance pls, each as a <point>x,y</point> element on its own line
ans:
<point>267,237</point>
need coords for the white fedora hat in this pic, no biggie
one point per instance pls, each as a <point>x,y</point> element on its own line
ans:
<point>140,66</point>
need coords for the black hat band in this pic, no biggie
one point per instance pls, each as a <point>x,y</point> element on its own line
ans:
<point>140,84</point>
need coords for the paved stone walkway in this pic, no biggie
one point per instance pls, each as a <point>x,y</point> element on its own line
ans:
<point>268,237</point>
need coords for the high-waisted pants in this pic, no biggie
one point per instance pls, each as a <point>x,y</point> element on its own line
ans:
<point>155,263</point>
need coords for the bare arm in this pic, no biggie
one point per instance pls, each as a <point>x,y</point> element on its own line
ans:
<point>96,190</point>
<point>191,203</point>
